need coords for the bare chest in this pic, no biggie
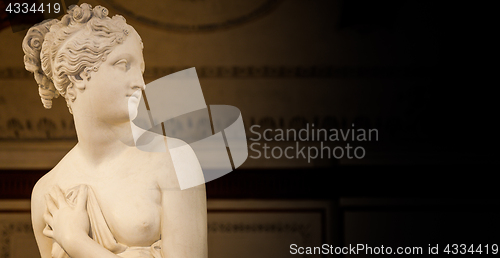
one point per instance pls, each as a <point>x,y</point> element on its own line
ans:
<point>130,205</point>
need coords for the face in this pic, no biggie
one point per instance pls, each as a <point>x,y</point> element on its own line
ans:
<point>113,92</point>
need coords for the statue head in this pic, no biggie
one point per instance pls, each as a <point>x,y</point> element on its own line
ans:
<point>63,53</point>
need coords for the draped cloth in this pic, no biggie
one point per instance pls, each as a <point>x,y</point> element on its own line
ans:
<point>99,232</point>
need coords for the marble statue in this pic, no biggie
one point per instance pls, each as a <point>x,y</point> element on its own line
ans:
<point>107,198</point>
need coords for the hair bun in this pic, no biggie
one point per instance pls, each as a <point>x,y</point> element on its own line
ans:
<point>32,46</point>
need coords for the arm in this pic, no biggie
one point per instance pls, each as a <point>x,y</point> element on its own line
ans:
<point>38,207</point>
<point>69,226</point>
<point>184,212</point>
<point>85,247</point>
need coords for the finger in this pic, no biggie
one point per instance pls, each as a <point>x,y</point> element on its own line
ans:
<point>81,201</point>
<point>61,200</point>
<point>53,196</point>
<point>48,232</point>
<point>48,218</point>
<point>51,206</point>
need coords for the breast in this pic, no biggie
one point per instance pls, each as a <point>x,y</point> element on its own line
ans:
<point>135,227</point>
<point>134,216</point>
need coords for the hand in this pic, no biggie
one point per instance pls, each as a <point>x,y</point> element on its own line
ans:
<point>66,222</point>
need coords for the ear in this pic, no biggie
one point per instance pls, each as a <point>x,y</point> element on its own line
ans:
<point>80,80</point>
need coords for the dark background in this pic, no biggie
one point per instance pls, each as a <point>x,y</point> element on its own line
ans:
<point>449,48</point>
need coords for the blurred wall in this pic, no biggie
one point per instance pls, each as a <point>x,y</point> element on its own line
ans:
<point>416,71</point>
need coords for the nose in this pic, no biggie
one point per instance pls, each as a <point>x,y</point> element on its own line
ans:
<point>138,81</point>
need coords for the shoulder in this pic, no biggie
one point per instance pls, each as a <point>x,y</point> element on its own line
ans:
<point>182,151</point>
<point>185,168</point>
<point>38,206</point>
<point>178,151</point>
<point>49,180</point>
<point>42,187</point>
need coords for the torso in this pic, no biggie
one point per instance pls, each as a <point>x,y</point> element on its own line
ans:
<point>126,189</point>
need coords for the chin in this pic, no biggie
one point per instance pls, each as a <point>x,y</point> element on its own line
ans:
<point>132,115</point>
<point>132,110</point>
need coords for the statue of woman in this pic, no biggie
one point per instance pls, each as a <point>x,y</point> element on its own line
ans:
<point>107,198</point>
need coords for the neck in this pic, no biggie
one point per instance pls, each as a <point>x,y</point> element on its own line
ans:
<point>99,141</point>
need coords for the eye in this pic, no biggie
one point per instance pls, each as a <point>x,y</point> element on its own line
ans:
<point>122,64</point>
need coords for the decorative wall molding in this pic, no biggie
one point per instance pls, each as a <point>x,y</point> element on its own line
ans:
<point>189,8</point>
<point>18,184</point>
<point>268,72</point>
<point>262,184</point>
<point>7,230</point>
<point>302,229</point>
<point>62,129</point>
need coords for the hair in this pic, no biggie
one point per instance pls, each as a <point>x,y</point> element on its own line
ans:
<point>76,45</point>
